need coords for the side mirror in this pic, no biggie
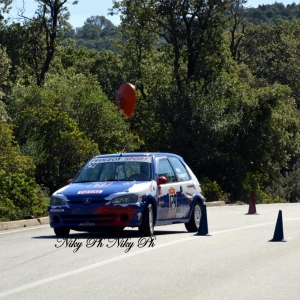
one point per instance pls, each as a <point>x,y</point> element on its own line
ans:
<point>161,180</point>
<point>69,181</point>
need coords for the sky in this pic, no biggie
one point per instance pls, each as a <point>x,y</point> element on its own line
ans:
<point>87,8</point>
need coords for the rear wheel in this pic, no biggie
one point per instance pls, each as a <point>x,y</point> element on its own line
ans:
<point>193,224</point>
<point>147,227</point>
<point>62,231</point>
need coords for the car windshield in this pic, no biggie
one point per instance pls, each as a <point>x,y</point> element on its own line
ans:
<point>137,168</point>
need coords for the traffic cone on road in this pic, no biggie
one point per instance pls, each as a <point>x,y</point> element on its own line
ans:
<point>278,233</point>
<point>252,208</point>
<point>203,227</point>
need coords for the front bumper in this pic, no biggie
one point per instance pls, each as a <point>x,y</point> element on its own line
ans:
<point>95,216</point>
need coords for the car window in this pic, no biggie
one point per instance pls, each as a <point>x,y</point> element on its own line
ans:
<point>109,171</point>
<point>180,169</point>
<point>119,168</point>
<point>120,171</point>
<point>164,169</point>
<point>89,173</point>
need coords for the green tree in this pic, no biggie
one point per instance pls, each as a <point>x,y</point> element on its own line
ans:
<point>66,122</point>
<point>192,30</point>
<point>265,141</point>
<point>55,144</point>
<point>93,112</point>
<point>15,38</point>
<point>238,22</point>
<point>36,41</point>
<point>4,71</point>
<point>97,33</point>
<point>231,133</point>
<point>6,7</point>
<point>99,21</point>
<point>271,53</point>
<point>273,13</point>
<point>20,195</point>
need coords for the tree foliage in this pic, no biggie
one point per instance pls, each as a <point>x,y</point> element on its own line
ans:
<point>65,123</point>
<point>274,13</point>
<point>4,70</point>
<point>97,33</point>
<point>4,7</point>
<point>212,85</point>
<point>55,143</point>
<point>191,30</point>
<point>20,195</point>
<point>40,36</point>
<point>271,53</point>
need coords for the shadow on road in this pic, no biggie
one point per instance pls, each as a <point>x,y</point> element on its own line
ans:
<point>110,234</point>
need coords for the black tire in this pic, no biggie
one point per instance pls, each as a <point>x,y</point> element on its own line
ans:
<point>147,226</point>
<point>62,231</point>
<point>193,224</point>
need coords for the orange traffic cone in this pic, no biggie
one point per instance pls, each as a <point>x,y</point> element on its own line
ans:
<point>252,208</point>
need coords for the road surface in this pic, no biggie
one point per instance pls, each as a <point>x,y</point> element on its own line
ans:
<point>235,260</point>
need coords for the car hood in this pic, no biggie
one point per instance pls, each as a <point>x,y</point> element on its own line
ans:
<point>104,190</point>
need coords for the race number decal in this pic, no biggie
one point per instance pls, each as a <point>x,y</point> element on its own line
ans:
<point>172,199</point>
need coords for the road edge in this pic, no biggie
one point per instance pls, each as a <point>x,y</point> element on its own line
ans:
<point>23,223</point>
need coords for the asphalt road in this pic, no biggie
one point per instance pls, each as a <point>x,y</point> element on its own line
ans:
<point>236,260</point>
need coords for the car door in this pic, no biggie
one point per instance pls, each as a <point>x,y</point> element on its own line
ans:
<point>187,186</point>
<point>169,202</point>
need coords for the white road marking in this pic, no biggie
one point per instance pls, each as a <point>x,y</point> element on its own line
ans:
<point>115,259</point>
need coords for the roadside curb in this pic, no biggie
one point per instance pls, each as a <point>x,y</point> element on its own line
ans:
<point>23,223</point>
<point>215,203</point>
<point>45,220</point>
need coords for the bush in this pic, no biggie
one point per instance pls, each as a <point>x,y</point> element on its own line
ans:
<point>211,190</point>
<point>20,197</point>
<point>264,198</point>
<point>286,185</point>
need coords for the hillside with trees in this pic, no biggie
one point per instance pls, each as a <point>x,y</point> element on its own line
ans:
<point>212,86</point>
<point>99,33</point>
<point>274,13</point>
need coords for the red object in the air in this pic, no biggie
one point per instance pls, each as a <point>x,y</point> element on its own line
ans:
<point>127,98</point>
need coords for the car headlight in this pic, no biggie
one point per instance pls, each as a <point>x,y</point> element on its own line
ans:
<point>55,201</point>
<point>125,199</point>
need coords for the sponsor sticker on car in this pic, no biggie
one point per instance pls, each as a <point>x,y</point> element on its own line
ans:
<point>90,192</point>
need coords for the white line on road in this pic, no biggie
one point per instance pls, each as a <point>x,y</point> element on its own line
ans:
<point>111,260</point>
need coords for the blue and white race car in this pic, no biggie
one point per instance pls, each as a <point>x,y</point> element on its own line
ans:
<point>128,190</point>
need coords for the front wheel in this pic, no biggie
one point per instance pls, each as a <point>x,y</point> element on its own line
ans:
<point>193,224</point>
<point>147,227</point>
<point>62,231</point>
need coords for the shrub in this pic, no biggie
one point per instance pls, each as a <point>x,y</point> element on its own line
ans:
<point>264,198</point>
<point>211,190</point>
<point>20,195</point>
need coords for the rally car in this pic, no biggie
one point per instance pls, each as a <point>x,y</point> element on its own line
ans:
<point>128,190</point>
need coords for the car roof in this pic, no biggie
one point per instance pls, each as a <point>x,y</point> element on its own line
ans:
<point>154,154</point>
